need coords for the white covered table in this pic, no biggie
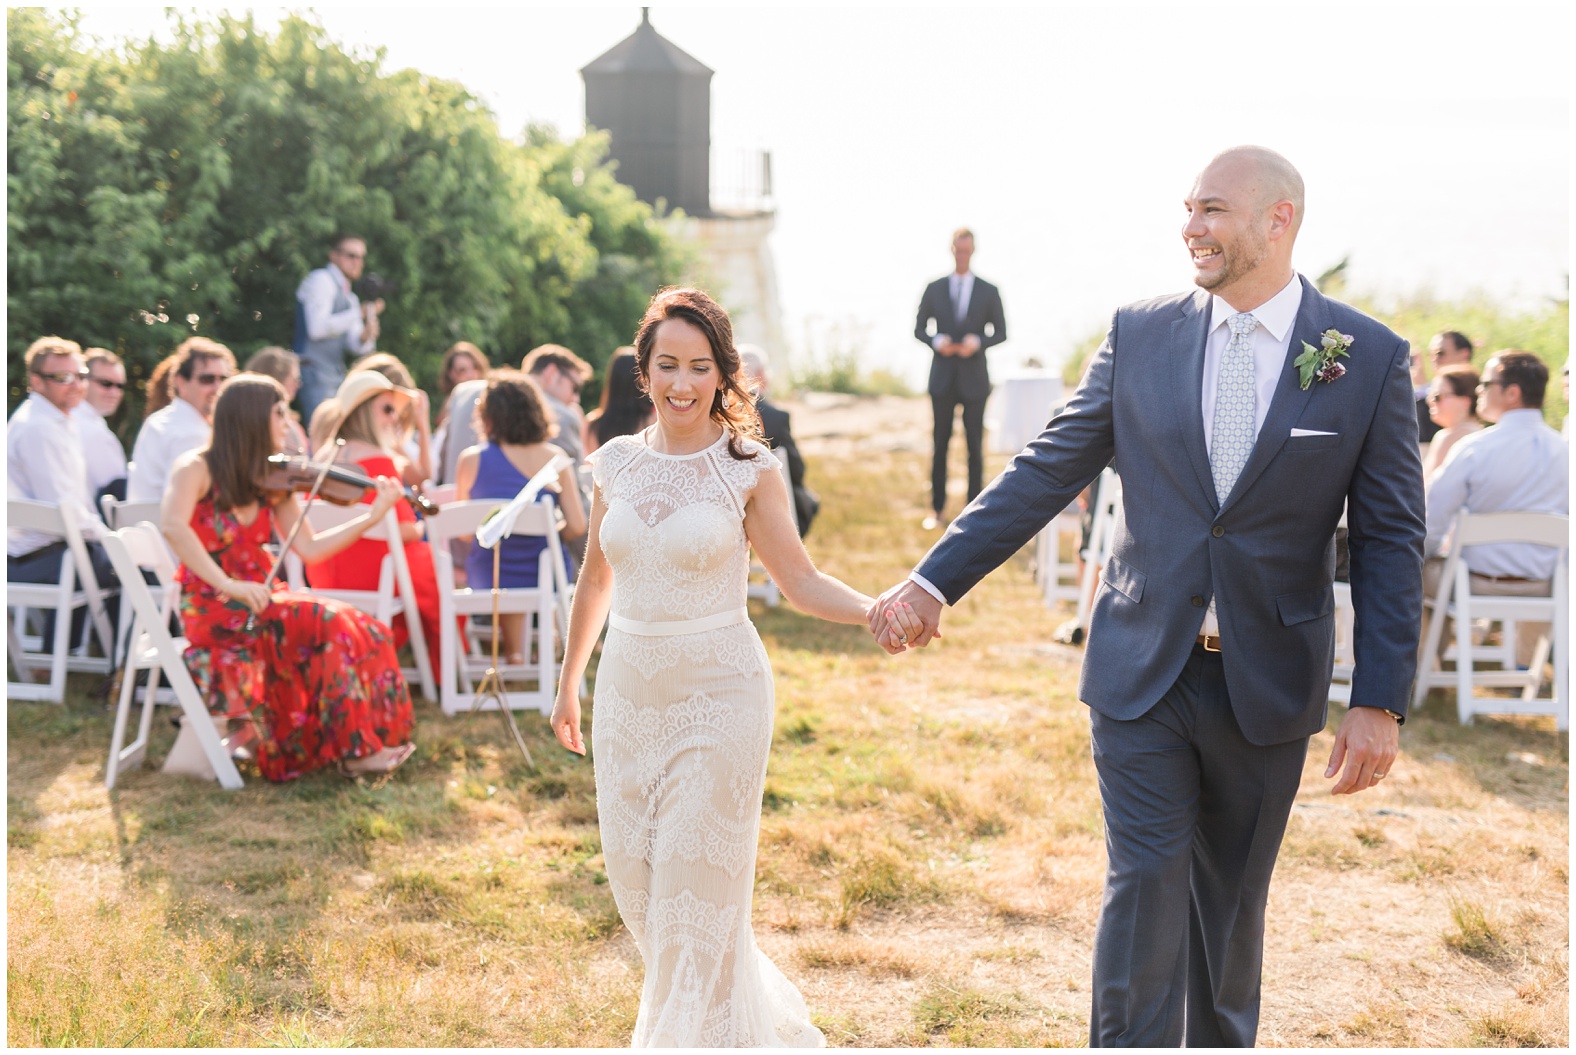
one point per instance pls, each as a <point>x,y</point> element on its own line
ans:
<point>1020,405</point>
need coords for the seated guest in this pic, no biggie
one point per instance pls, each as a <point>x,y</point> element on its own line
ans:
<point>625,408</point>
<point>459,432</point>
<point>200,367</point>
<point>462,362</point>
<point>283,366</point>
<point>157,387</point>
<point>367,409</point>
<point>413,446</point>
<point>561,374</point>
<point>1452,404</point>
<point>774,424</point>
<point>320,678</point>
<point>101,448</point>
<point>45,463</point>
<point>514,419</point>
<point>1447,348</point>
<point>1519,465</point>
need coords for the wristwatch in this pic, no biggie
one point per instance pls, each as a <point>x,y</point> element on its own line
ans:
<point>1399,718</point>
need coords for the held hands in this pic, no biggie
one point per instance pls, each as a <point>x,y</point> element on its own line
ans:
<point>1367,742</point>
<point>566,718</point>
<point>252,594</point>
<point>906,615</point>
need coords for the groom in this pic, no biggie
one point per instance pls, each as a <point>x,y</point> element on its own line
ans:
<point>1211,645</point>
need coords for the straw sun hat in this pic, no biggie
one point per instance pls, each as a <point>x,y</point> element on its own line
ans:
<point>354,390</point>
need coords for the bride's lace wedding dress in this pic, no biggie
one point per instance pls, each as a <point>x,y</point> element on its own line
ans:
<point>682,727</point>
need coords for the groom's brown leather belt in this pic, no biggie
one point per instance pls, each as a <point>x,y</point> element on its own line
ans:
<point>1210,642</point>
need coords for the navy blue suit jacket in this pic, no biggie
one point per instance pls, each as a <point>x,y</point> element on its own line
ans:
<point>1266,554</point>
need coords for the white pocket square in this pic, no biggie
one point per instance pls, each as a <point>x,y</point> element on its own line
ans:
<point>1309,432</point>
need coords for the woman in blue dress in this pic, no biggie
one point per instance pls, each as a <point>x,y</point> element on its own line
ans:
<point>516,426</point>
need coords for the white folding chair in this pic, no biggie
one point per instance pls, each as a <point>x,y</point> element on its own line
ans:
<point>395,593</point>
<point>460,664</point>
<point>1102,538</point>
<point>440,494</point>
<point>1345,656</point>
<point>1057,579</point>
<point>1455,600</point>
<point>131,549</point>
<point>118,514</point>
<point>76,587</point>
<point>760,583</point>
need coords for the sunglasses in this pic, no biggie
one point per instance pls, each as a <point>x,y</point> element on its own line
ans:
<point>64,377</point>
<point>210,379</point>
<point>1485,384</point>
<point>103,382</point>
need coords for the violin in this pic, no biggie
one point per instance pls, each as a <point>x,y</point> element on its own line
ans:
<point>342,485</point>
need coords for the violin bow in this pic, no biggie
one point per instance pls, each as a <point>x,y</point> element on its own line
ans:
<point>273,573</point>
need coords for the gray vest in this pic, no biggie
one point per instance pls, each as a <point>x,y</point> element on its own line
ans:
<point>328,355</point>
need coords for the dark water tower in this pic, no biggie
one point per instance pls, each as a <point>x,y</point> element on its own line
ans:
<point>654,101</point>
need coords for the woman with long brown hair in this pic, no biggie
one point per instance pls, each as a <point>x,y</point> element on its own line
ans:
<point>320,679</point>
<point>684,692</point>
<point>625,408</point>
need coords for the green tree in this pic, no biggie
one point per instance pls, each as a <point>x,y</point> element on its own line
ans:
<point>187,185</point>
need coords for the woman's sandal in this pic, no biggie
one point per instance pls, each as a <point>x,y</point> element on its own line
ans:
<point>398,756</point>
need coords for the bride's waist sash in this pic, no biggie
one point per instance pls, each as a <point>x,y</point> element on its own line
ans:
<point>672,627</point>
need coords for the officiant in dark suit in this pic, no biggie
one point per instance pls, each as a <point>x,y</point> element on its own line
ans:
<point>960,317</point>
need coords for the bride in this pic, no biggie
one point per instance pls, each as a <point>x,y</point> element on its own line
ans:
<point>684,695</point>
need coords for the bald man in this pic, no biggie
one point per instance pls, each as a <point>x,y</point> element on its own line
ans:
<point>1248,413</point>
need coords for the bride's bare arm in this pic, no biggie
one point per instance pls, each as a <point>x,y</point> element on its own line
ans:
<point>593,593</point>
<point>768,523</point>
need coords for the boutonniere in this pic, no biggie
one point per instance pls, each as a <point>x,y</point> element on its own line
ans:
<point>1321,362</point>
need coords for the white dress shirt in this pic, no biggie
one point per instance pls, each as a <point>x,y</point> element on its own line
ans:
<point>1270,342</point>
<point>43,454</point>
<point>317,293</point>
<point>1271,339</point>
<point>1517,465</point>
<point>164,437</point>
<point>960,288</point>
<point>101,449</point>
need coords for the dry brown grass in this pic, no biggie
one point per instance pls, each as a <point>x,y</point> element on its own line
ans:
<point>930,869</point>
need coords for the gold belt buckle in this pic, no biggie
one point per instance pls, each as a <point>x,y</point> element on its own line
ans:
<point>1205,639</point>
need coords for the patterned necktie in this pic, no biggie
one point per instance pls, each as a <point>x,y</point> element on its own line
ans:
<point>1233,433</point>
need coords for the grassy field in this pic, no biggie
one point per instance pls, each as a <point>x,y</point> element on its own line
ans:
<point>930,866</point>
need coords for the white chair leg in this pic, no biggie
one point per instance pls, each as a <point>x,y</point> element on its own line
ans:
<point>1463,667</point>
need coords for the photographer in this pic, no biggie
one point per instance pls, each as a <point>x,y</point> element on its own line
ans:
<point>331,321</point>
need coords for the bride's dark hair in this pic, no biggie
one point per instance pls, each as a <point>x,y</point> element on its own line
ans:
<point>732,408</point>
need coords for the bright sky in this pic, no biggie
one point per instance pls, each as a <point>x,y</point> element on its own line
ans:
<point>1434,141</point>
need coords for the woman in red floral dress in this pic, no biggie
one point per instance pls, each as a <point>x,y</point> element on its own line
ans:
<point>321,679</point>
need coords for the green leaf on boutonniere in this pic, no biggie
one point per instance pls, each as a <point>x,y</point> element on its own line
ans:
<point>1308,362</point>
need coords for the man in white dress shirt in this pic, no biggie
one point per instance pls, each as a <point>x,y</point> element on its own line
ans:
<point>44,463</point>
<point>1519,465</point>
<point>184,425</point>
<point>101,448</point>
<point>331,322</point>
